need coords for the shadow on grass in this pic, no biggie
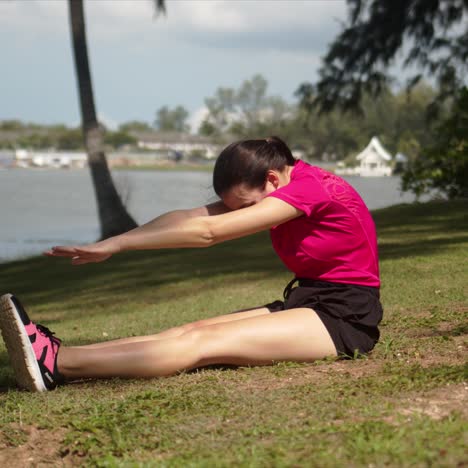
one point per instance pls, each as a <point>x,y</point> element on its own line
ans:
<point>43,280</point>
<point>419,248</point>
<point>7,382</point>
<point>404,231</point>
<point>449,216</point>
<point>420,229</point>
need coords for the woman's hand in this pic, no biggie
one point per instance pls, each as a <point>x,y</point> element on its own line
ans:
<point>91,253</point>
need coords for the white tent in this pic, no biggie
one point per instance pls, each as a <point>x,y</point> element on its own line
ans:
<point>374,160</point>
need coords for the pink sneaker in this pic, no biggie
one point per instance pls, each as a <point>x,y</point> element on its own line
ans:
<point>32,347</point>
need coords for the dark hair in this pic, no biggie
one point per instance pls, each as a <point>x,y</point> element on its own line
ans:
<point>248,161</point>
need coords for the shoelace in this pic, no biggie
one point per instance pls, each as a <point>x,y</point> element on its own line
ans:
<point>58,378</point>
<point>48,333</point>
<point>45,331</point>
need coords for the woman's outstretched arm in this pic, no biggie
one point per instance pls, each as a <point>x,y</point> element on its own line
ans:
<point>188,231</point>
<point>176,216</point>
<point>105,249</point>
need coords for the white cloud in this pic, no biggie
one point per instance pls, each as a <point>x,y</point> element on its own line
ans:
<point>250,24</point>
<point>254,16</point>
<point>29,18</point>
<point>240,24</point>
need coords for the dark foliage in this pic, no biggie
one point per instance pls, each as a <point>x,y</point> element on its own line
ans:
<point>444,166</point>
<point>435,35</point>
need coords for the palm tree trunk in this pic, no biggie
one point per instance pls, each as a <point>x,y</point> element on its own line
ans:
<point>114,218</point>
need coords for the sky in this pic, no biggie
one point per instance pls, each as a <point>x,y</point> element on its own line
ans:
<point>140,62</point>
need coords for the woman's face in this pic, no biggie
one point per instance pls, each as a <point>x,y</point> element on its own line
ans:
<point>241,196</point>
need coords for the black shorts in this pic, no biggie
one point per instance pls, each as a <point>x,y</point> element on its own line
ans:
<point>350,313</point>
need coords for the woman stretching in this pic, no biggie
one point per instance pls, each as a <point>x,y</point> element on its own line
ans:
<point>320,228</point>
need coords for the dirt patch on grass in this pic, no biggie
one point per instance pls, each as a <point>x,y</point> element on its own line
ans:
<point>438,403</point>
<point>447,329</point>
<point>27,446</point>
<point>425,353</point>
<point>282,377</point>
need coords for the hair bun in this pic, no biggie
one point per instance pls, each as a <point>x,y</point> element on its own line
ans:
<point>273,139</point>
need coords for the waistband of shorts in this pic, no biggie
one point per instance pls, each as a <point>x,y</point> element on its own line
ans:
<point>310,283</point>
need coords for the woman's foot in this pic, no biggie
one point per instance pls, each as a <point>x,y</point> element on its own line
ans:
<point>32,347</point>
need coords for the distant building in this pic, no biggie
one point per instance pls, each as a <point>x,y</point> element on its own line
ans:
<point>7,159</point>
<point>22,158</point>
<point>50,159</point>
<point>137,158</point>
<point>374,160</point>
<point>177,143</point>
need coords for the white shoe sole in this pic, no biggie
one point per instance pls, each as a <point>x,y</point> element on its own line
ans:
<point>22,357</point>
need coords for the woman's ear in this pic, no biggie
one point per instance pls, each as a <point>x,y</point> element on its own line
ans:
<point>273,178</point>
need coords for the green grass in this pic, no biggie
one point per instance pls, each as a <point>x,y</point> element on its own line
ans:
<point>403,405</point>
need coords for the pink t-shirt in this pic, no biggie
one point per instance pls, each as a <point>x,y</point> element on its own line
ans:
<point>335,240</point>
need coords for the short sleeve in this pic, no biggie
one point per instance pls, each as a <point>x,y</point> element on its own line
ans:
<point>304,192</point>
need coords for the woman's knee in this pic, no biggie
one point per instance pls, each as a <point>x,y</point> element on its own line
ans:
<point>204,339</point>
<point>180,330</point>
<point>188,327</point>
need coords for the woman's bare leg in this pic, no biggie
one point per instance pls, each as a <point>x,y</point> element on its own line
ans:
<point>177,331</point>
<point>292,335</point>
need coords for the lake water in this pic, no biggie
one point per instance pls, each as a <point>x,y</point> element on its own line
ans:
<point>42,208</point>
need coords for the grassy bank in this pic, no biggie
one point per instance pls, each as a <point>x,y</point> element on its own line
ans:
<point>404,405</point>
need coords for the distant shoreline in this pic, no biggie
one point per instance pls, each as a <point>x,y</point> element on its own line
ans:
<point>167,167</point>
<point>178,167</point>
<point>157,167</point>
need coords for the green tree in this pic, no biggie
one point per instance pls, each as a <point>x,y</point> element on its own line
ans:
<point>135,126</point>
<point>221,108</point>
<point>207,129</point>
<point>397,119</point>
<point>34,140</point>
<point>434,33</point>
<point>251,99</point>
<point>411,124</point>
<point>444,165</point>
<point>69,139</point>
<point>331,136</point>
<point>174,120</point>
<point>246,111</point>
<point>119,138</point>
<point>10,125</point>
<point>432,36</point>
